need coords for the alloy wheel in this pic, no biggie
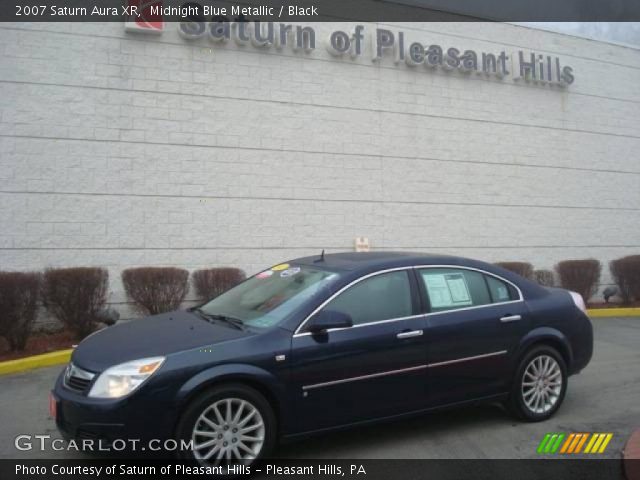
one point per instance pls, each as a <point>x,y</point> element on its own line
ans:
<point>228,431</point>
<point>541,384</point>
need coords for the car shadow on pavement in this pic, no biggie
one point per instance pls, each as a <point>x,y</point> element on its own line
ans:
<point>398,438</point>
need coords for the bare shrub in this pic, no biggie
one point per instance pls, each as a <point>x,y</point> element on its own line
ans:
<point>544,278</point>
<point>523,269</point>
<point>626,274</point>
<point>75,296</point>
<point>156,289</point>
<point>19,293</point>
<point>581,276</point>
<point>211,282</point>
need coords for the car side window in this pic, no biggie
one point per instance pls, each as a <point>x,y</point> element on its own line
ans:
<point>381,297</point>
<point>500,291</point>
<point>454,288</point>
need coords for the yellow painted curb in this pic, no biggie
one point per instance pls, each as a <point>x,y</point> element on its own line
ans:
<point>36,361</point>
<point>613,312</point>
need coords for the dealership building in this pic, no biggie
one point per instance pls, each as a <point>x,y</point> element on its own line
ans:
<point>201,145</point>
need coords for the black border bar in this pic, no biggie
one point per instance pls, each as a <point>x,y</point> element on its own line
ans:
<point>336,10</point>
<point>556,468</point>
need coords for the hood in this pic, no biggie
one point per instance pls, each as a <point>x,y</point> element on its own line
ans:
<point>149,337</point>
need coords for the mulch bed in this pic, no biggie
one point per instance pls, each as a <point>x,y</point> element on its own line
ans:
<point>37,344</point>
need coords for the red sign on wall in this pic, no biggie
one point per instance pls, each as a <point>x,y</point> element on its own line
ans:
<point>144,16</point>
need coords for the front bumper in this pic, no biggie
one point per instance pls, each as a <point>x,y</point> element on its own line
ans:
<point>136,417</point>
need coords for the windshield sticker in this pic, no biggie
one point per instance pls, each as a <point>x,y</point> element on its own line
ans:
<point>265,274</point>
<point>290,272</point>
<point>278,268</point>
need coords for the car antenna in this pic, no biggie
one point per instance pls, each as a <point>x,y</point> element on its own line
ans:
<point>321,259</point>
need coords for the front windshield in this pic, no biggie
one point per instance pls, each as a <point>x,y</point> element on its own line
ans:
<point>268,297</point>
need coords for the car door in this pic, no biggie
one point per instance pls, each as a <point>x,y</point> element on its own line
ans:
<point>370,370</point>
<point>474,324</point>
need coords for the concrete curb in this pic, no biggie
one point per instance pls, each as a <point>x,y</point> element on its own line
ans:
<point>36,361</point>
<point>613,312</point>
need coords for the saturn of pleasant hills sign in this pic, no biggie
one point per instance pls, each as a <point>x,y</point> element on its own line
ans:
<point>520,65</point>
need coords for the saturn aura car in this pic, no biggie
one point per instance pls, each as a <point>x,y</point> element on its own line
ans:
<point>322,343</point>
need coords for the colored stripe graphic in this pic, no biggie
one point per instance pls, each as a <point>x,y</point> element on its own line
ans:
<point>547,448</point>
<point>543,443</point>
<point>581,443</point>
<point>605,442</point>
<point>558,442</point>
<point>591,442</point>
<point>598,443</point>
<point>574,443</point>
<point>550,443</point>
<point>567,443</point>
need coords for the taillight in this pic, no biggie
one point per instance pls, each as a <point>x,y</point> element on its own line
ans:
<point>579,301</point>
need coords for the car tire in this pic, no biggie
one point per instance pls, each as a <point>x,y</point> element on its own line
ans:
<point>224,422</point>
<point>539,385</point>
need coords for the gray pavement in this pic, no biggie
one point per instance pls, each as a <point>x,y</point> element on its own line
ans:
<point>605,397</point>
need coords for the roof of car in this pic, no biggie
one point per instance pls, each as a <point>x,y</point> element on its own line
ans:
<point>362,263</point>
<point>376,260</point>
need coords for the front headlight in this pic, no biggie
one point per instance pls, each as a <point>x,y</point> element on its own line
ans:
<point>121,380</point>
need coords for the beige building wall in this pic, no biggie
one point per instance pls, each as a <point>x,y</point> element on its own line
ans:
<point>123,149</point>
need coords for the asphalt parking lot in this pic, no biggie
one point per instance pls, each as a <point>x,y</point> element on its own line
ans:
<point>605,397</point>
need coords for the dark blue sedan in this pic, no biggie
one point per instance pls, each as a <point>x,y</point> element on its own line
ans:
<point>326,342</point>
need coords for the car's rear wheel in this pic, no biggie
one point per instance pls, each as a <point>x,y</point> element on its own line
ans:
<point>229,424</point>
<point>539,385</point>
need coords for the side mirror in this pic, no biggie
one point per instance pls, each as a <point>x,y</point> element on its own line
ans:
<point>327,319</point>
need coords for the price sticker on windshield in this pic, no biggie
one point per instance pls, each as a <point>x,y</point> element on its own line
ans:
<point>290,272</point>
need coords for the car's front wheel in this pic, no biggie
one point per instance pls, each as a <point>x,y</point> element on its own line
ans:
<point>229,424</point>
<point>539,385</point>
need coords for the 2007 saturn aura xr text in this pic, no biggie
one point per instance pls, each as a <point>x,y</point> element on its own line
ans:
<point>326,342</point>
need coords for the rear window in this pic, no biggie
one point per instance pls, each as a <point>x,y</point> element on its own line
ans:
<point>500,291</point>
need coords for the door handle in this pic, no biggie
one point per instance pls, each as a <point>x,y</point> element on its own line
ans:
<point>412,333</point>
<point>510,318</point>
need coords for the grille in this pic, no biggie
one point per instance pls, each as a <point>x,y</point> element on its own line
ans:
<point>77,379</point>
<point>78,384</point>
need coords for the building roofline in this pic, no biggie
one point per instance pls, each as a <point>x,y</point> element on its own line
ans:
<point>573,35</point>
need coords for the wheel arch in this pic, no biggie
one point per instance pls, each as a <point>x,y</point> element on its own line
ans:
<point>251,376</point>
<point>546,336</point>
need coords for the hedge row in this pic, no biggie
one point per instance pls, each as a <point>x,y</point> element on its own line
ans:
<point>18,302</point>
<point>77,296</point>
<point>524,269</point>
<point>626,273</point>
<point>582,276</point>
<point>159,289</point>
